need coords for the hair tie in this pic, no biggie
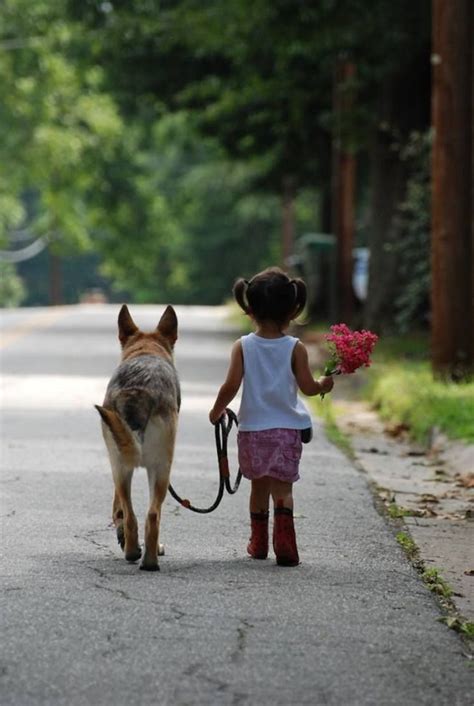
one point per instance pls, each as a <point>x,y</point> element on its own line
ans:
<point>244,295</point>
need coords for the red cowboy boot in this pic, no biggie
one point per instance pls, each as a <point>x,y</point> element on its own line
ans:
<point>258,542</point>
<point>284,538</point>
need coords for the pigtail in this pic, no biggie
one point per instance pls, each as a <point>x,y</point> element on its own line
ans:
<point>301,295</point>
<point>239,291</point>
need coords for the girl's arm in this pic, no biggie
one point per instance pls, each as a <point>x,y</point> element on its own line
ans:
<point>307,384</point>
<point>231,384</point>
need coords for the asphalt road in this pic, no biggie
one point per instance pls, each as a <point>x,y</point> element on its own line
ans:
<point>352,624</point>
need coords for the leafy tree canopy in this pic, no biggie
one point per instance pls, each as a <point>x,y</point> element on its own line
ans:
<point>56,126</point>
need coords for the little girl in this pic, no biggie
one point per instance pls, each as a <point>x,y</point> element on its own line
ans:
<point>272,419</point>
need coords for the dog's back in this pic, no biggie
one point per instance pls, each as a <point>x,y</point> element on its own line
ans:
<point>143,387</point>
<point>143,393</point>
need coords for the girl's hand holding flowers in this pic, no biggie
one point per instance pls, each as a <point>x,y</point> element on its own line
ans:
<point>326,382</point>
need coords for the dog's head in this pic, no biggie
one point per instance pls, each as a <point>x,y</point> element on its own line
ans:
<point>136,342</point>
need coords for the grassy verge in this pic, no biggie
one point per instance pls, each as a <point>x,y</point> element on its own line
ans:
<point>408,395</point>
<point>326,411</point>
<point>402,389</point>
<point>435,583</point>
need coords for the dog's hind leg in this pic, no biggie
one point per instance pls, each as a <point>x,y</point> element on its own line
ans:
<point>117,516</point>
<point>124,516</point>
<point>158,490</point>
<point>161,437</point>
<point>124,456</point>
<point>130,527</point>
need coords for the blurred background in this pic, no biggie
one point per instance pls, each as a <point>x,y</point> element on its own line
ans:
<point>154,151</point>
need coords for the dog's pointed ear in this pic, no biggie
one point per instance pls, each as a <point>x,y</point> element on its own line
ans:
<point>126,324</point>
<point>168,325</point>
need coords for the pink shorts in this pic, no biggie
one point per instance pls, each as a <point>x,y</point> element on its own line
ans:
<point>271,452</point>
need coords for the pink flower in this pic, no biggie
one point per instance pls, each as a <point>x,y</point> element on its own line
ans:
<point>350,349</point>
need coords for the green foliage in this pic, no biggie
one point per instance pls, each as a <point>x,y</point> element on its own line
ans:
<point>257,74</point>
<point>12,290</point>
<point>412,302</point>
<point>56,127</point>
<point>198,225</point>
<point>406,393</point>
<point>158,134</point>
<point>401,387</point>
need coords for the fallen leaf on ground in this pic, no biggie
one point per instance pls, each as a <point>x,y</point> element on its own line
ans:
<point>429,512</point>
<point>428,498</point>
<point>466,481</point>
<point>396,429</point>
<point>374,450</point>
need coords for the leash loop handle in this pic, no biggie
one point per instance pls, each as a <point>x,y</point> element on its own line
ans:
<point>222,429</point>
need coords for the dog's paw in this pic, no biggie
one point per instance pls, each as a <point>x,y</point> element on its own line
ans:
<point>133,555</point>
<point>149,566</point>
<point>161,549</point>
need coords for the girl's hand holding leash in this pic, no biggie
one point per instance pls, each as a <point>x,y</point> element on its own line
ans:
<point>215,416</point>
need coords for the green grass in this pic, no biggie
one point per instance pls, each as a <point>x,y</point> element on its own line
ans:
<point>409,347</point>
<point>436,583</point>
<point>464,627</point>
<point>407,393</point>
<point>396,511</point>
<point>326,411</point>
<point>407,543</point>
<point>402,389</point>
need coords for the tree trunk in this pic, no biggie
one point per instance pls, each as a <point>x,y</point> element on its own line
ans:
<point>402,106</point>
<point>55,280</point>
<point>387,188</point>
<point>452,180</point>
<point>343,191</point>
<point>288,220</point>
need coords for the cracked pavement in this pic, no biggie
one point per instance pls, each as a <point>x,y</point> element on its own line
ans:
<point>352,625</point>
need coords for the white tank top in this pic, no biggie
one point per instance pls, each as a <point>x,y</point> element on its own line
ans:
<point>269,397</point>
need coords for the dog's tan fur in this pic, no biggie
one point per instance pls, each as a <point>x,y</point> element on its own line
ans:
<point>139,421</point>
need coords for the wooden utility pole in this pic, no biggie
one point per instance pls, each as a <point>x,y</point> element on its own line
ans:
<point>343,188</point>
<point>452,197</point>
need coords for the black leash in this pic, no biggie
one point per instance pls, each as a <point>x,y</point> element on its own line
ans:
<point>222,430</point>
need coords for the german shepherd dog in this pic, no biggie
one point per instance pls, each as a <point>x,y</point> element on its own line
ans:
<point>139,421</point>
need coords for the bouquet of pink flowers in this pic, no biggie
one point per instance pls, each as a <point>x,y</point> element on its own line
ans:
<point>350,350</point>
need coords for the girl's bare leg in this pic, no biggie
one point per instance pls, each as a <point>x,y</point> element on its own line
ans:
<point>260,494</point>
<point>282,493</point>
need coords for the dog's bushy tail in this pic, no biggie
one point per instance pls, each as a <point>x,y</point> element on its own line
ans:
<point>122,434</point>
